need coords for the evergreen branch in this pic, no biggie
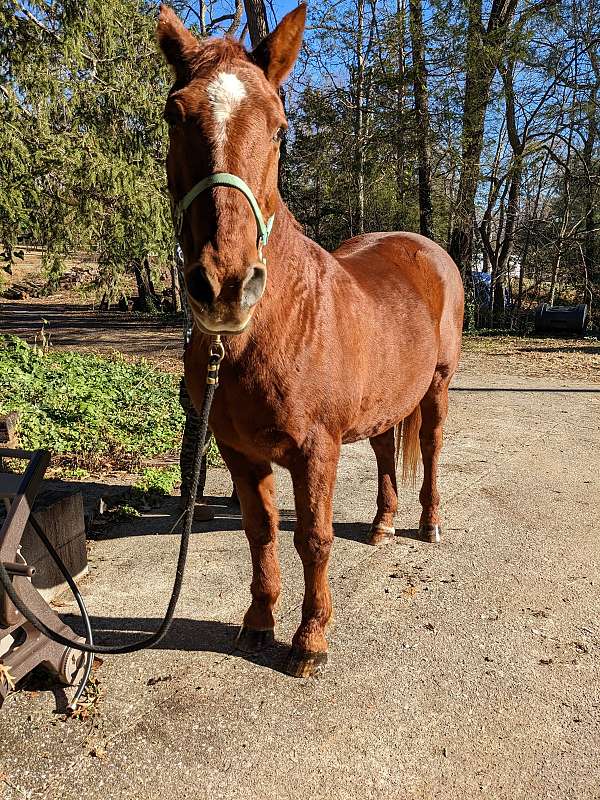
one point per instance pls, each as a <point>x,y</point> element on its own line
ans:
<point>13,98</point>
<point>32,18</point>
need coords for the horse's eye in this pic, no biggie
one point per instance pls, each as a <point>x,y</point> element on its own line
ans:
<point>278,135</point>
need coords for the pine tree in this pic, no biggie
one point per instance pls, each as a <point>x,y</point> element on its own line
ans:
<point>83,89</point>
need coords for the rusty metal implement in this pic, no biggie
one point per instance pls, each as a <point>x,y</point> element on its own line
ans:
<point>22,647</point>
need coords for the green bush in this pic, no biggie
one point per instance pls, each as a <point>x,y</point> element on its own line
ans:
<point>89,409</point>
<point>158,481</point>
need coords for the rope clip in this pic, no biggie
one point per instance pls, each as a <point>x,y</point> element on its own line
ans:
<point>215,356</point>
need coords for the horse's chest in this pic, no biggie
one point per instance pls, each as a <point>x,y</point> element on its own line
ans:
<point>260,424</point>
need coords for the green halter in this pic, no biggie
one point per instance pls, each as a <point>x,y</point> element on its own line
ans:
<point>225,179</point>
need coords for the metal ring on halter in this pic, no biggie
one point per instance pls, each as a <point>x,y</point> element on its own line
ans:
<point>261,256</point>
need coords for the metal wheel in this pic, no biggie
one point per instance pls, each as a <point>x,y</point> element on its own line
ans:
<point>71,666</point>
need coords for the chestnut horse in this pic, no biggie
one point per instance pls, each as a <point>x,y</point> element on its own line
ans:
<point>322,350</point>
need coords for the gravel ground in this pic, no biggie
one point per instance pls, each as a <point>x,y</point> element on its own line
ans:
<point>463,670</point>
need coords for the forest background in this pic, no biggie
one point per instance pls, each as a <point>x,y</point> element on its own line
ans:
<point>474,122</point>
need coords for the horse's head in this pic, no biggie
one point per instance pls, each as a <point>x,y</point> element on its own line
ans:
<point>225,116</point>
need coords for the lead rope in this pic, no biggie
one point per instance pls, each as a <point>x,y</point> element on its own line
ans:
<point>216,354</point>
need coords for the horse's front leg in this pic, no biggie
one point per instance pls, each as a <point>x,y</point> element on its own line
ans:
<point>256,491</point>
<point>313,475</point>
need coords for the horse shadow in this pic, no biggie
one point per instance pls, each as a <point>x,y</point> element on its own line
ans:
<point>352,531</point>
<point>169,519</point>
<point>197,635</point>
<point>184,635</point>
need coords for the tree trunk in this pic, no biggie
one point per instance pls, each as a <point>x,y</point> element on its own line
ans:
<point>525,253</point>
<point>359,153</point>
<point>486,266</point>
<point>566,197</point>
<point>148,274</point>
<point>484,51</point>
<point>147,299</point>
<point>202,17</point>
<point>422,115</point>
<point>590,256</point>
<point>512,216</point>
<point>554,278</point>
<point>175,290</point>
<point>400,117</point>
<point>450,193</point>
<point>256,16</point>
<point>498,305</point>
<point>478,79</point>
<point>142,288</point>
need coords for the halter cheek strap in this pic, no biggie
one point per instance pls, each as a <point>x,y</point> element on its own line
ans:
<point>226,179</point>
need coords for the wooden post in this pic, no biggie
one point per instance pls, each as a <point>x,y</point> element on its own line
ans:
<point>8,430</point>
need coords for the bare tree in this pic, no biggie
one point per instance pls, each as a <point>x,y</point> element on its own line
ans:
<point>256,17</point>
<point>484,49</point>
<point>422,114</point>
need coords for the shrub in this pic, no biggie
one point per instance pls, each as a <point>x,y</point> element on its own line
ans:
<point>88,409</point>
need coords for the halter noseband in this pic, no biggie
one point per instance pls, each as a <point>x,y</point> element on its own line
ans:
<point>226,179</point>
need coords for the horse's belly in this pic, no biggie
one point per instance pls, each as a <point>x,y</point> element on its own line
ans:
<point>263,444</point>
<point>393,393</point>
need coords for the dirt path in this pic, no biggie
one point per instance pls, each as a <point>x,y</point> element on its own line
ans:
<point>73,326</point>
<point>77,327</point>
<point>465,670</point>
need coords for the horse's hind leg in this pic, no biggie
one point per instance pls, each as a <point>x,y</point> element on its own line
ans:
<point>256,491</point>
<point>387,492</point>
<point>434,409</point>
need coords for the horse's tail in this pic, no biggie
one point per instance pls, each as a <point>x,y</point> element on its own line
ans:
<point>407,439</point>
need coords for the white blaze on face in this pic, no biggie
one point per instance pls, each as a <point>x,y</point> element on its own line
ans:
<point>225,93</point>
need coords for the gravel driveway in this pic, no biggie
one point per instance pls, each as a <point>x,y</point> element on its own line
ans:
<point>464,670</point>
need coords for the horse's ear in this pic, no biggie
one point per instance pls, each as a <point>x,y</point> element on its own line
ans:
<point>277,53</point>
<point>177,43</point>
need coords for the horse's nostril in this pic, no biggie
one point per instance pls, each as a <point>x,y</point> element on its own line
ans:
<point>254,286</point>
<point>199,287</point>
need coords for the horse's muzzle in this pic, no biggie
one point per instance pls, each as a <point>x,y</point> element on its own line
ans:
<point>214,327</point>
<point>224,306</point>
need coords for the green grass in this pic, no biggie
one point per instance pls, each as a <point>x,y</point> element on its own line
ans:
<point>149,491</point>
<point>89,410</point>
<point>158,480</point>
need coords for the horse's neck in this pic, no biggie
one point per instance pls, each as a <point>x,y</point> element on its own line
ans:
<point>287,249</point>
<point>291,272</point>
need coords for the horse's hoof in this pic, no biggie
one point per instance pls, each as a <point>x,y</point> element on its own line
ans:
<point>380,533</point>
<point>304,664</point>
<point>251,640</point>
<point>430,533</point>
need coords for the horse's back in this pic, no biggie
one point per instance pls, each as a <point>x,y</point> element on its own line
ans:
<point>428,274</point>
<point>416,256</point>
